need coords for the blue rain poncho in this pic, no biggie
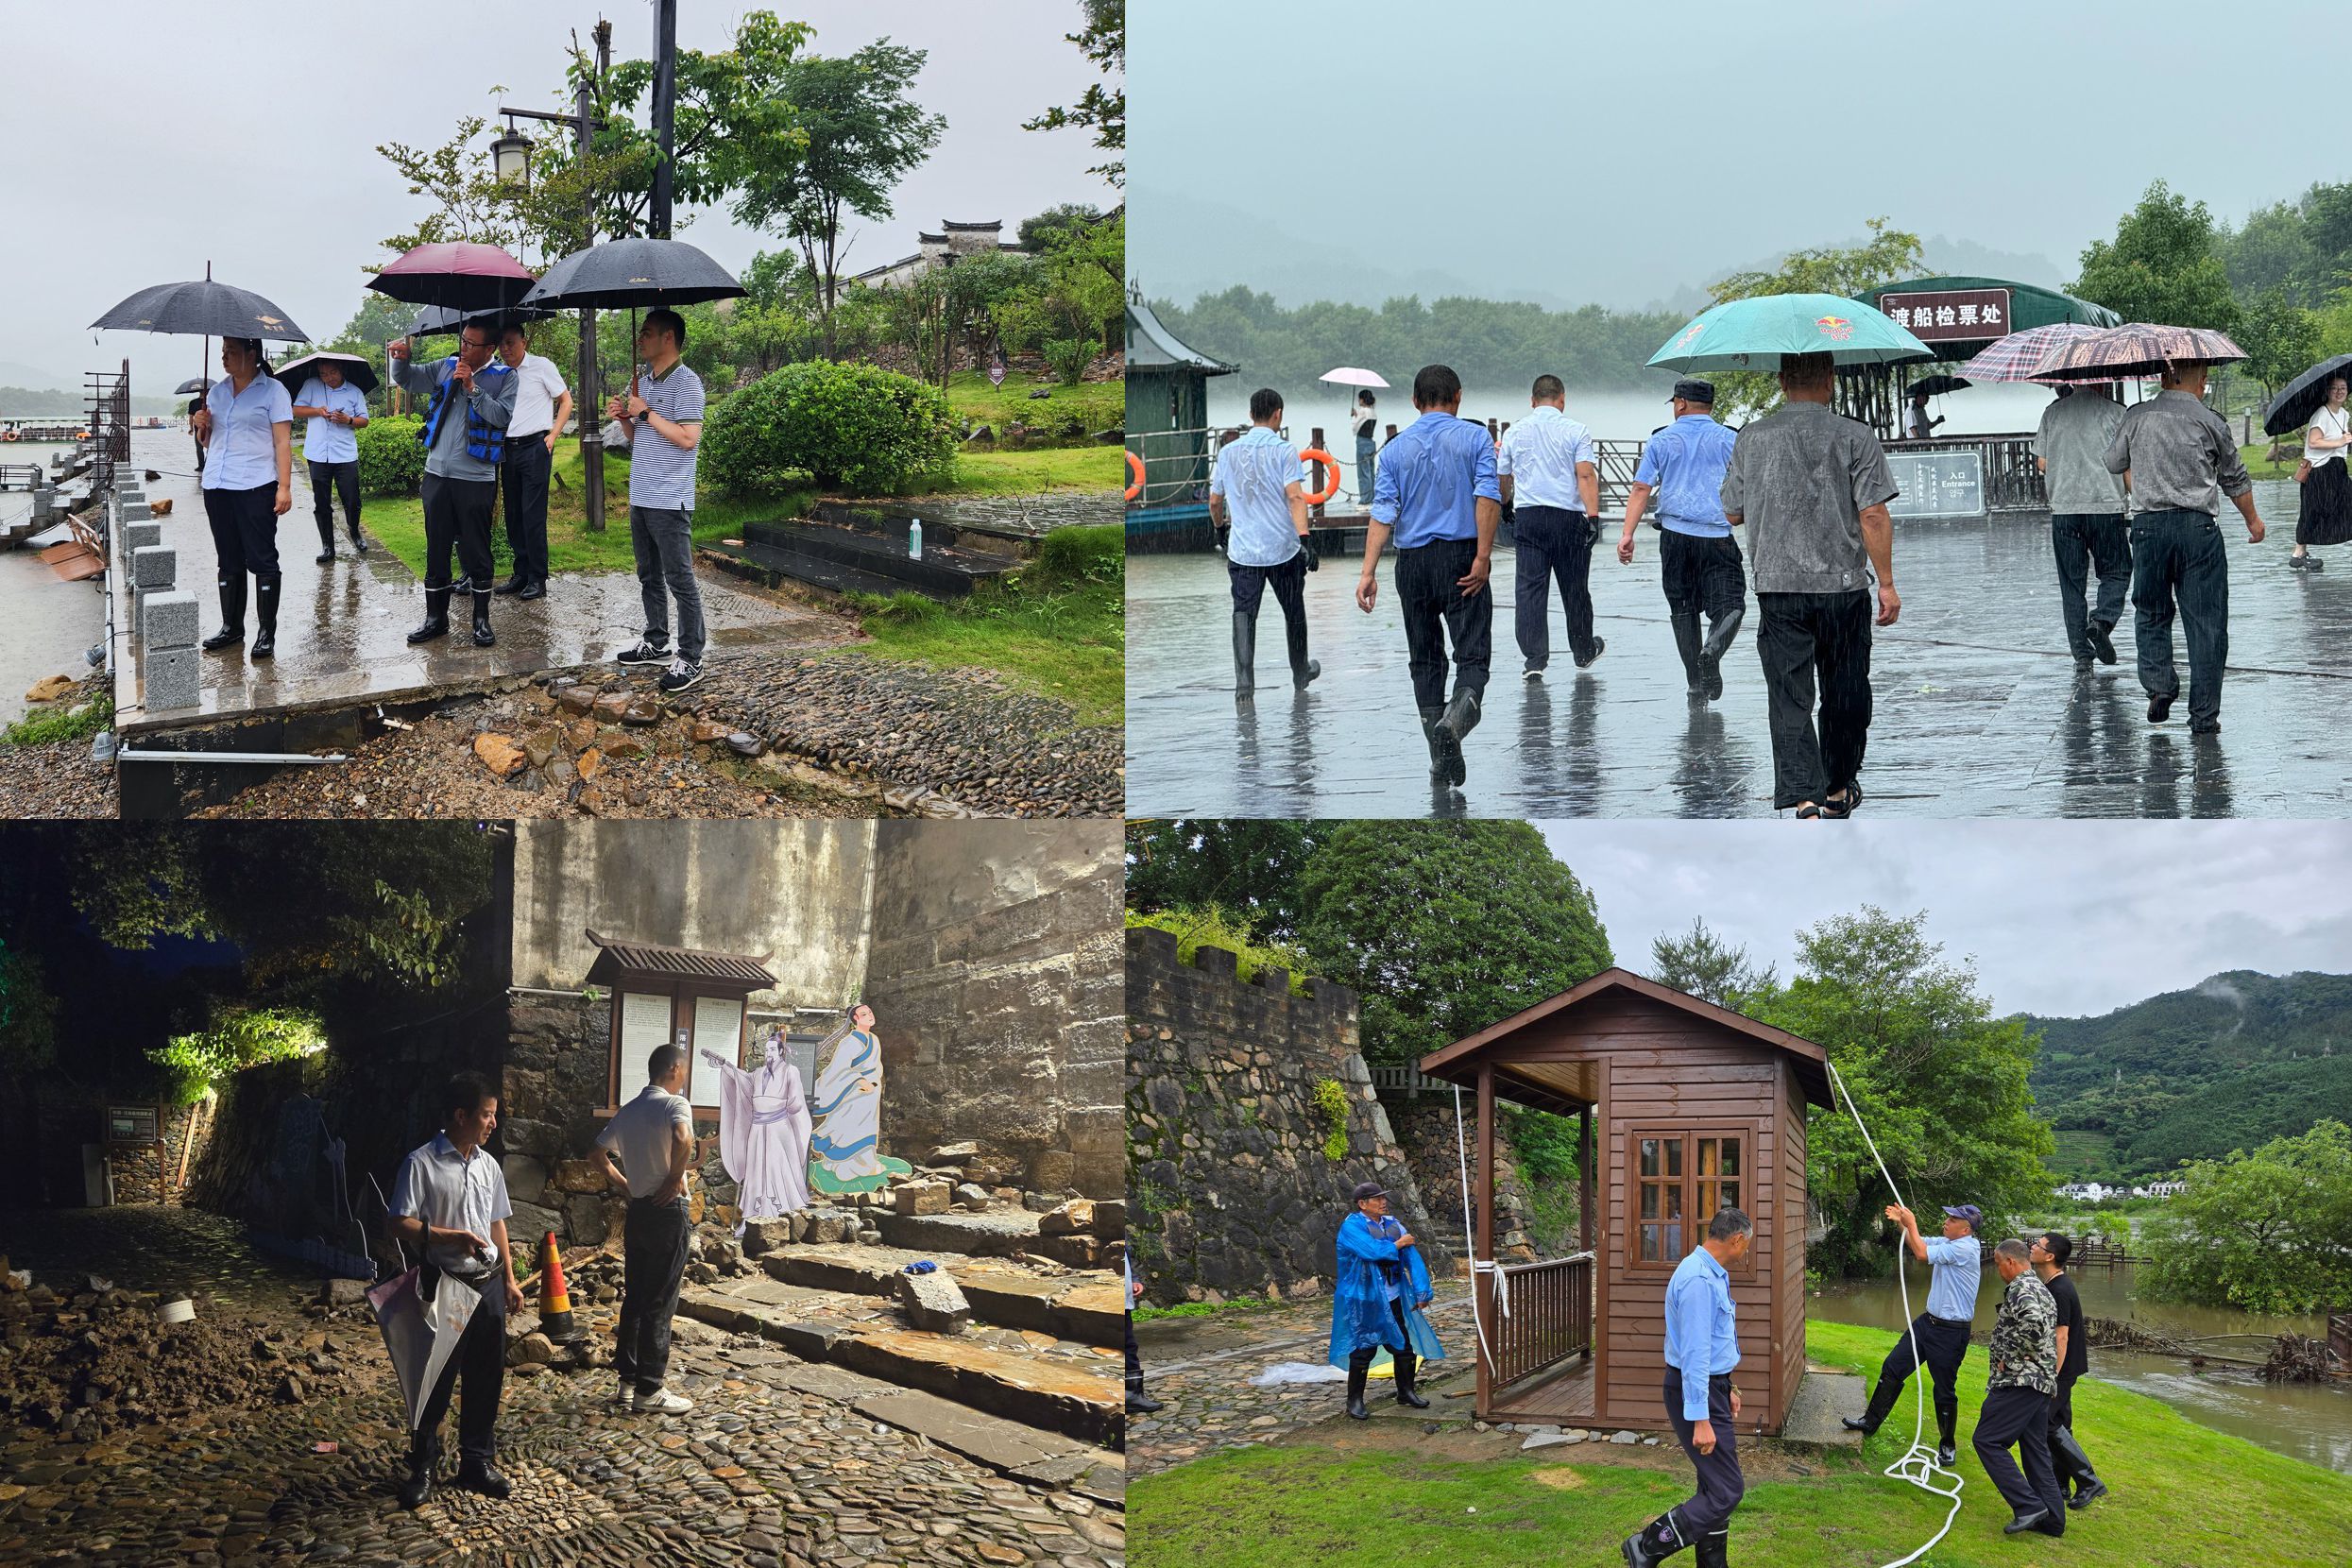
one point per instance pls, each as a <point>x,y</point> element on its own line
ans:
<point>1359,1298</point>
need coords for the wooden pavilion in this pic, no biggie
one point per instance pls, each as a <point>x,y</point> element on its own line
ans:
<point>1168,419</point>
<point>1684,1107</point>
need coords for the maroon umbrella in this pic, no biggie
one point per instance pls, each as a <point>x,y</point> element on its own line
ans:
<point>2135,348</point>
<point>455,275</point>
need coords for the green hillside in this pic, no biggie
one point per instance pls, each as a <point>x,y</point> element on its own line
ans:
<point>2230,1063</point>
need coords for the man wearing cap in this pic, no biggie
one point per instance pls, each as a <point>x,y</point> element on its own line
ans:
<point>1941,1333</point>
<point>1380,1287</point>
<point>1261,511</point>
<point>2017,1396</point>
<point>1813,489</point>
<point>1702,1347</point>
<point>1549,476</point>
<point>2086,515</point>
<point>1698,562</point>
<point>1438,494</point>
<point>2178,459</point>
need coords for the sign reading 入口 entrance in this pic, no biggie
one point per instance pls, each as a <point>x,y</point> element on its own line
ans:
<point>1949,315</point>
<point>1948,484</point>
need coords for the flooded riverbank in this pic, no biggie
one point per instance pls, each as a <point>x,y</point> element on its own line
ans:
<point>46,626</point>
<point>2305,1421</point>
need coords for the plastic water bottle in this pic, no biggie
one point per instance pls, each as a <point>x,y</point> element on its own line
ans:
<point>914,540</point>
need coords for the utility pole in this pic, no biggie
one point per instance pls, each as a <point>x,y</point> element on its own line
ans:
<point>591,404</point>
<point>665,107</point>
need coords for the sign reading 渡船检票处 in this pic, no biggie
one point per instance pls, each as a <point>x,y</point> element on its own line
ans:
<point>1948,314</point>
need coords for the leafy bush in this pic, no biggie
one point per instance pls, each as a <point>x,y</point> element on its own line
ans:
<point>1096,552</point>
<point>854,428</point>
<point>1212,927</point>
<point>240,1037</point>
<point>1332,1101</point>
<point>1069,357</point>
<point>77,722</point>
<point>391,456</point>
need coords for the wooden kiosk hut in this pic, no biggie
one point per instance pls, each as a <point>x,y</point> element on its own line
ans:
<point>1167,419</point>
<point>673,996</point>
<point>1684,1107</point>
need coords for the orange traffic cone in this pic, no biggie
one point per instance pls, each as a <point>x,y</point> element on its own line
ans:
<point>555,1301</point>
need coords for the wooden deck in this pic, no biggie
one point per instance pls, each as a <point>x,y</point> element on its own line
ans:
<point>1564,1395</point>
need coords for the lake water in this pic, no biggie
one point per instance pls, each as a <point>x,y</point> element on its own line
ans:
<point>2311,1422</point>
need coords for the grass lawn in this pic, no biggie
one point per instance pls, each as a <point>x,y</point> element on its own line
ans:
<point>2258,463</point>
<point>1098,405</point>
<point>2185,1496</point>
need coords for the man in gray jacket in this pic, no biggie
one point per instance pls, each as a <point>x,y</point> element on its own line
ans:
<point>2086,515</point>
<point>465,435</point>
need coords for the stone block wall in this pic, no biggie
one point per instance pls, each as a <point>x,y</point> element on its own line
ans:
<point>1231,1190</point>
<point>1426,1131</point>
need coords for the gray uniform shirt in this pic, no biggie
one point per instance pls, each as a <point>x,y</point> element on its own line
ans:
<point>493,397</point>
<point>2073,439</point>
<point>2181,456</point>
<point>1799,480</point>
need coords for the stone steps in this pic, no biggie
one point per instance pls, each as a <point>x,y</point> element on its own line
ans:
<point>1086,1308</point>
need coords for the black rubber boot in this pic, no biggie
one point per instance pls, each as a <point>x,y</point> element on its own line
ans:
<point>1245,653</point>
<point>2075,1465</point>
<point>1882,1401</point>
<point>265,615</point>
<point>326,540</point>
<point>436,616</point>
<point>1303,669</point>
<point>1406,1369</point>
<point>359,544</point>
<point>1459,718</point>
<point>1714,1550</point>
<point>1719,634</point>
<point>1356,1375</point>
<point>422,1454</point>
<point>1139,1402</point>
<point>1686,642</point>
<point>1445,757</point>
<point>1947,1422</point>
<point>1656,1542</point>
<point>483,636</point>
<point>231,631</point>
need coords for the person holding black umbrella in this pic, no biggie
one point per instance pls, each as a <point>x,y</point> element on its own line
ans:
<point>2325,516</point>
<point>246,429</point>
<point>334,408</point>
<point>464,437</point>
<point>662,417</point>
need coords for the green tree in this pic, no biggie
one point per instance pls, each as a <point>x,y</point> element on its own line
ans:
<point>2263,1232</point>
<point>1941,1081</point>
<point>1889,255</point>
<point>2281,340</point>
<point>861,134</point>
<point>28,1013</point>
<point>1102,109</point>
<point>1248,866</point>
<point>236,1037</point>
<point>1446,927</point>
<point>1039,231</point>
<point>1699,964</point>
<point>2163,265</point>
<point>2272,249</point>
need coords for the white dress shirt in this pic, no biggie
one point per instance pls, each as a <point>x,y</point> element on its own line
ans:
<point>1540,453</point>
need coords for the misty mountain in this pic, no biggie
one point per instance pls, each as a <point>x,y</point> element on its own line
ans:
<point>17,373</point>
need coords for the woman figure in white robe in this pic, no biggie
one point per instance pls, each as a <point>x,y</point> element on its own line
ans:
<point>844,1152</point>
<point>763,1136</point>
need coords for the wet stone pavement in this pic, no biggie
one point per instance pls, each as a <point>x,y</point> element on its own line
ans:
<point>758,1473</point>
<point>1979,708</point>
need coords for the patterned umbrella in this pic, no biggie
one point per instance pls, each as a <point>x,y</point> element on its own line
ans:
<point>456,274</point>
<point>2017,356</point>
<point>2135,348</point>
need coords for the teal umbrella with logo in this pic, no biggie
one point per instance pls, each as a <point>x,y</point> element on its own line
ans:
<point>1753,335</point>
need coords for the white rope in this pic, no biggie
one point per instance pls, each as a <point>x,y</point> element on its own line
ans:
<point>1477,1265</point>
<point>1919,1465</point>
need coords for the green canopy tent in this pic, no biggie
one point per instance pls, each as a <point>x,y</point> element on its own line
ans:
<point>1955,316</point>
<point>1167,417</point>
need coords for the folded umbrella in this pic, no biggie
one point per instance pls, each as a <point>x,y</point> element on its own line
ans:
<point>2017,356</point>
<point>201,309</point>
<point>2135,348</point>
<point>1755,334</point>
<point>358,371</point>
<point>2304,396</point>
<point>421,1334</point>
<point>633,272</point>
<point>457,275</point>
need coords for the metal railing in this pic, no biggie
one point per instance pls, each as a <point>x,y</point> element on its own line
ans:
<point>1550,1318</point>
<point>1409,1080</point>
<point>2013,479</point>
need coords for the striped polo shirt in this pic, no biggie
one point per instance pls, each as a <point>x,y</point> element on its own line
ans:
<point>662,472</point>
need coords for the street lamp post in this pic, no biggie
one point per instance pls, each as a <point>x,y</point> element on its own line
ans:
<point>665,108</point>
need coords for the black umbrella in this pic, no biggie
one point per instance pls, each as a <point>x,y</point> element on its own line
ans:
<point>633,272</point>
<point>1935,386</point>
<point>2304,396</point>
<point>201,309</point>
<point>193,383</point>
<point>437,320</point>
<point>358,371</point>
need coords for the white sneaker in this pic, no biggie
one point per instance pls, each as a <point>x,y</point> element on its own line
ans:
<point>661,1401</point>
<point>624,1393</point>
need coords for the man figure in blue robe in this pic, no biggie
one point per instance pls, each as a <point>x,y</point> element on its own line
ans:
<point>1382,1287</point>
<point>1702,1347</point>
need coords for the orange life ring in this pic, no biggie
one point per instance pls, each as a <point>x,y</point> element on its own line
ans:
<point>1134,467</point>
<point>1317,455</point>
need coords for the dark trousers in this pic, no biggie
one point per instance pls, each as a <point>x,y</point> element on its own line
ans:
<point>663,541</point>
<point>1360,1359</point>
<point>527,463</point>
<point>1720,1484</point>
<point>480,1359</point>
<point>1436,612</point>
<point>2019,1417</point>
<point>1134,1358</point>
<point>457,515</point>
<point>2062,1419</point>
<point>1289,581</point>
<point>1801,635</point>
<point>2086,542</point>
<point>245,531</point>
<point>2178,564</point>
<point>328,481</point>
<point>652,1237</point>
<point>1701,573</point>
<point>1553,543</point>
<point>1943,1346</point>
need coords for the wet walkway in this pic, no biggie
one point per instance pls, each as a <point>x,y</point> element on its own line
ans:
<point>1980,710</point>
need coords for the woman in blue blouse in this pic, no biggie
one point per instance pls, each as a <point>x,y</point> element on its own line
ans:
<point>246,426</point>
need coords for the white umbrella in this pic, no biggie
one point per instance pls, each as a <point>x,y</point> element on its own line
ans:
<point>1352,375</point>
<point>421,1335</point>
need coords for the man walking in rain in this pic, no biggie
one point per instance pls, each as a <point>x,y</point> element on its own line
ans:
<point>1698,561</point>
<point>2086,515</point>
<point>1437,494</point>
<point>1702,1347</point>
<point>1812,489</point>
<point>2017,1397</point>
<point>1258,507</point>
<point>2178,459</point>
<point>464,437</point>
<point>1941,1332</point>
<point>1550,477</point>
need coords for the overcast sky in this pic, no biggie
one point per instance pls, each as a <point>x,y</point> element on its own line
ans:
<point>2062,917</point>
<point>1616,153</point>
<point>145,138</point>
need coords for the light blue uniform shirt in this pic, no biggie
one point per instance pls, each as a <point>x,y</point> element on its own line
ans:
<point>1701,1338</point>
<point>1684,464</point>
<point>458,1192</point>
<point>323,441</point>
<point>662,472</point>
<point>1954,1270</point>
<point>1540,453</point>
<point>1252,475</point>
<point>1432,478</point>
<point>243,451</point>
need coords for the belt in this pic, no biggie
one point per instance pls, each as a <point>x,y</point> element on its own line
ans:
<point>1950,1322</point>
<point>524,434</point>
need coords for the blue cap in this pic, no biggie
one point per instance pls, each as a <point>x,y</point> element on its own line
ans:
<point>1970,1212</point>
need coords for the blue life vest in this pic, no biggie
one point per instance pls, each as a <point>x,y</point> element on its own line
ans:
<point>485,442</point>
